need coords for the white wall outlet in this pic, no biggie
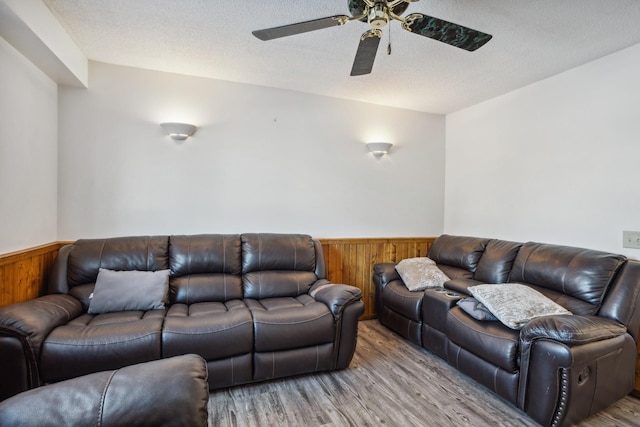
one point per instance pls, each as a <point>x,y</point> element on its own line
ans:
<point>631,239</point>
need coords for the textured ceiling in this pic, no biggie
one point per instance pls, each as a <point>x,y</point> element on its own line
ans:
<point>532,40</point>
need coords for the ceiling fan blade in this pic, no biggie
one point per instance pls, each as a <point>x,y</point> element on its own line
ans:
<point>301,27</point>
<point>445,32</point>
<point>366,54</point>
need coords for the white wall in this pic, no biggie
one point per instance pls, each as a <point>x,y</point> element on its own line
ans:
<point>28,153</point>
<point>263,160</point>
<point>557,161</point>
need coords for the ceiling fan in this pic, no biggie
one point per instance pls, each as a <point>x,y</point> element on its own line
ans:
<point>378,13</point>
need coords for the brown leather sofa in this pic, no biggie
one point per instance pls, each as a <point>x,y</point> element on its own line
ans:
<point>254,306</point>
<point>166,392</point>
<point>557,369</point>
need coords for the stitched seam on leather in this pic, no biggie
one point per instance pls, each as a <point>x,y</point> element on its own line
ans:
<point>58,306</point>
<point>233,370</point>
<point>102,398</point>
<point>484,333</point>
<point>148,252</point>
<point>99,344</point>
<point>166,329</point>
<point>564,275</point>
<point>104,242</point>
<point>293,323</point>
<point>401,295</point>
<point>189,270</point>
<point>273,364</point>
<point>224,267</point>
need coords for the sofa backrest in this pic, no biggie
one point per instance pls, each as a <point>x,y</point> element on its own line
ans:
<point>457,256</point>
<point>87,256</point>
<point>578,278</point>
<point>279,265</point>
<point>496,261</point>
<point>622,302</point>
<point>205,268</point>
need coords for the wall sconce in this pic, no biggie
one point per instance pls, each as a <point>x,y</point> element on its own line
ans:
<point>179,131</point>
<point>379,149</point>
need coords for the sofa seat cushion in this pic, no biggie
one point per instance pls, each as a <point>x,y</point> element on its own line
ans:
<point>91,343</point>
<point>289,323</point>
<point>395,296</point>
<point>213,330</point>
<point>491,341</point>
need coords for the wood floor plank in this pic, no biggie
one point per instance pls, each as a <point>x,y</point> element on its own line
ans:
<point>390,382</point>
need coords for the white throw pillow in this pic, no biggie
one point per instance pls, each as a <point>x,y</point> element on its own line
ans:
<point>515,304</point>
<point>129,290</point>
<point>420,273</point>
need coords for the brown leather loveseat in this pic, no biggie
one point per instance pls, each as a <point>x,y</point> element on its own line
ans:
<point>558,369</point>
<point>254,306</point>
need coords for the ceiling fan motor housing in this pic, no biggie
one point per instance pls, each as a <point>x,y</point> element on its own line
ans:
<point>378,16</point>
<point>359,7</point>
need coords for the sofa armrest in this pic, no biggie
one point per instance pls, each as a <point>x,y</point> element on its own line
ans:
<point>589,360</point>
<point>152,393</point>
<point>335,296</point>
<point>571,330</point>
<point>384,273</point>
<point>31,321</point>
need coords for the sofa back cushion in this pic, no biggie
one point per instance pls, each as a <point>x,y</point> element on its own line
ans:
<point>496,261</point>
<point>205,268</point>
<point>457,256</point>
<point>88,256</point>
<point>583,274</point>
<point>278,265</point>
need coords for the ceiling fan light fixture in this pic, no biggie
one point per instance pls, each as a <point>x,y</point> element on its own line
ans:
<point>378,16</point>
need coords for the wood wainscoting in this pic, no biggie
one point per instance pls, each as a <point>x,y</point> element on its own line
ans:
<point>351,261</point>
<point>23,274</point>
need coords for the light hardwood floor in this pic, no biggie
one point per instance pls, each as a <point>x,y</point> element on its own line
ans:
<point>390,382</point>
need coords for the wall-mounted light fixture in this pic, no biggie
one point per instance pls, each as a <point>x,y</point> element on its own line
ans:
<point>379,149</point>
<point>179,131</point>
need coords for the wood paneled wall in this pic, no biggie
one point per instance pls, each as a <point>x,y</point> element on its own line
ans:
<point>351,261</point>
<point>23,274</point>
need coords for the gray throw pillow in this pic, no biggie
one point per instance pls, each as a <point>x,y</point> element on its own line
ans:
<point>475,309</point>
<point>129,290</point>
<point>420,273</point>
<point>515,304</point>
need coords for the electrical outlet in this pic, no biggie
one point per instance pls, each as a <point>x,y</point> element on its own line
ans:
<point>631,239</point>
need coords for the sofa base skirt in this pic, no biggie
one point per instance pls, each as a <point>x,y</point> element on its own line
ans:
<point>405,327</point>
<point>501,382</point>
<point>230,371</point>
<point>277,364</point>
<point>434,341</point>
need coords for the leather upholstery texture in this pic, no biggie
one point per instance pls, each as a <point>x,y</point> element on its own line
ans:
<point>254,306</point>
<point>168,392</point>
<point>557,369</point>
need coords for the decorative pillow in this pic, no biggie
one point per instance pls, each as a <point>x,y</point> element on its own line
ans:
<point>514,304</point>
<point>129,290</point>
<point>420,273</point>
<point>475,309</point>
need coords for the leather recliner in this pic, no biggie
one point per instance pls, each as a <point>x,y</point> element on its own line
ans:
<point>168,392</point>
<point>557,369</point>
<point>255,306</point>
